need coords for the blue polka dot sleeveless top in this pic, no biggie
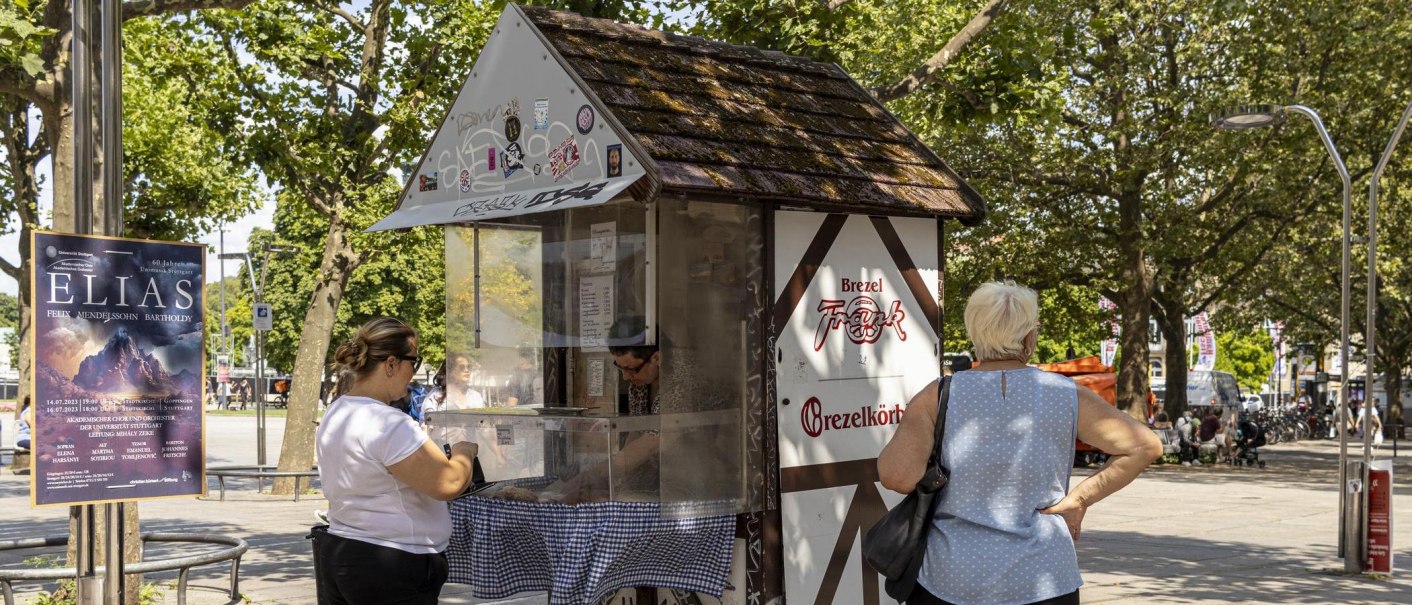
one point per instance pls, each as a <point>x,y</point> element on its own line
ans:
<point>1010,455</point>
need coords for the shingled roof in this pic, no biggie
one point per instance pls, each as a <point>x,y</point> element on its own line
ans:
<point>736,120</point>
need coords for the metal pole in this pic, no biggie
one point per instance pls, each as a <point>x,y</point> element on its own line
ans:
<point>112,114</point>
<point>1346,301</point>
<point>83,116</point>
<point>86,584</point>
<point>260,394</point>
<point>260,362</point>
<point>225,327</point>
<point>1372,333</point>
<point>111,97</point>
<point>114,580</point>
<point>86,581</point>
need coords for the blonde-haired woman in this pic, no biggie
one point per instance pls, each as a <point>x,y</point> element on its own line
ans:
<point>1004,527</point>
<point>385,481</point>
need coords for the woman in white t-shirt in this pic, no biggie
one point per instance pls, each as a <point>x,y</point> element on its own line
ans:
<point>385,481</point>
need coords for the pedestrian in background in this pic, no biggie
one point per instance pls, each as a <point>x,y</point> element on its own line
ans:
<point>1004,527</point>
<point>385,480</point>
<point>26,420</point>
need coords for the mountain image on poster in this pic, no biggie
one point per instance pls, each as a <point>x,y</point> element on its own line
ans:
<point>123,367</point>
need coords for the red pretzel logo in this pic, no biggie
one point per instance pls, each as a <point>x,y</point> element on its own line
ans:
<point>861,318</point>
<point>811,417</point>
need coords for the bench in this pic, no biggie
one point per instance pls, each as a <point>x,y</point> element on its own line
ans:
<point>19,460</point>
<point>1171,441</point>
<point>259,473</point>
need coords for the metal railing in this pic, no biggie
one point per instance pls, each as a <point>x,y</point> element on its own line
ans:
<point>236,549</point>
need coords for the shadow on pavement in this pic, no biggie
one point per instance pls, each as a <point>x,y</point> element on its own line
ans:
<point>1197,570</point>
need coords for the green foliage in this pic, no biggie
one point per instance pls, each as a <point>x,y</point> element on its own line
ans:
<point>402,280</point>
<point>237,313</point>
<point>21,36</point>
<point>9,311</point>
<point>1249,355</point>
<point>1086,125</point>
<point>185,172</point>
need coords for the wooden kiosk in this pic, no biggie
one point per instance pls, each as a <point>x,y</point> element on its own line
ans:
<point>759,218</point>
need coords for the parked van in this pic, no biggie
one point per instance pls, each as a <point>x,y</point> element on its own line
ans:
<point>1207,388</point>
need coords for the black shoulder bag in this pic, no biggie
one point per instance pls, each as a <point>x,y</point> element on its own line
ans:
<point>895,544</point>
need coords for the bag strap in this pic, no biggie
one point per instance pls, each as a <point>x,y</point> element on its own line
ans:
<point>936,475</point>
<point>943,402</point>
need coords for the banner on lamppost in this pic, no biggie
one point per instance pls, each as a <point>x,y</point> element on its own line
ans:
<point>118,381</point>
<point>1206,344</point>
<point>1109,348</point>
<point>1276,330</point>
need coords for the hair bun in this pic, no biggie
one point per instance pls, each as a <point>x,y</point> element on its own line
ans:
<point>351,354</point>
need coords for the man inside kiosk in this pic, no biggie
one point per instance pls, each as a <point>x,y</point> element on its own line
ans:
<point>637,459</point>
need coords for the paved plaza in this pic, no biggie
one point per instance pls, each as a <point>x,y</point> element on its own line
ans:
<point>1177,535</point>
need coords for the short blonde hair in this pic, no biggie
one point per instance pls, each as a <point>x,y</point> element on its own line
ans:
<point>999,316</point>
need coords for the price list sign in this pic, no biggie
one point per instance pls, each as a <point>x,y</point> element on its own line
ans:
<point>118,370</point>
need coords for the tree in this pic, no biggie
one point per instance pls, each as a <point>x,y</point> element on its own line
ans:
<point>1248,355</point>
<point>35,81</point>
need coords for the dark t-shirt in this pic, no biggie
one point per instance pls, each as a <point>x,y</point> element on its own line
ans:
<point>1210,425</point>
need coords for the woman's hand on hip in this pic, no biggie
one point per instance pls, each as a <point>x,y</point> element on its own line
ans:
<point>1071,509</point>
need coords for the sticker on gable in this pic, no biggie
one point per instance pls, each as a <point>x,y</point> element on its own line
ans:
<point>465,181</point>
<point>541,114</point>
<point>490,160</point>
<point>512,107</point>
<point>512,128</point>
<point>428,182</point>
<point>615,160</point>
<point>585,119</point>
<point>537,168</point>
<point>563,158</point>
<point>513,159</point>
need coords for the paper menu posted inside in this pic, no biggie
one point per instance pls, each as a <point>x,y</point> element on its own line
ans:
<point>603,248</point>
<point>595,310</point>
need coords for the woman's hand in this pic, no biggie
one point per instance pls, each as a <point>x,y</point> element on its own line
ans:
<point>465,448</point>
<point>1072,509</point>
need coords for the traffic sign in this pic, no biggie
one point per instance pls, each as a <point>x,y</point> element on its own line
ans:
<point>264,318</point>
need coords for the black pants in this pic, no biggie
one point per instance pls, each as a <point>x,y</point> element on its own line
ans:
<point>352,572</point>
<point>920,596</point>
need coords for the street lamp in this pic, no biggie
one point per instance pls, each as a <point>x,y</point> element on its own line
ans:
<point>1256,116</point>
<point>1373,318</point>
<point>257,289</point>
<point>1264,115</point>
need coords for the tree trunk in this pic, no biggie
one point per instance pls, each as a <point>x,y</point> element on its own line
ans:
<point>1172,320</point>
<point>61,140</point>
<point>338,263</point>
<point>1135,304</point>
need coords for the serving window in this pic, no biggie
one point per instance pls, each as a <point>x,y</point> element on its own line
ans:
<point>537,301</point>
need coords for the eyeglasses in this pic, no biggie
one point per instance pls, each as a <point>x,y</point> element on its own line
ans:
<point>416,360</point>
<point>633,371</point>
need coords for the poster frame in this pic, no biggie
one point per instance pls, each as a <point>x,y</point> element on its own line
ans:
<point>34,355</point>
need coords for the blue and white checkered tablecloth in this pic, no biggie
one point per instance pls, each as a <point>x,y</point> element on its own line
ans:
<point>582,553</point>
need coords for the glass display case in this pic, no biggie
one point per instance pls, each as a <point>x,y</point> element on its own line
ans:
<point>552,455</point>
